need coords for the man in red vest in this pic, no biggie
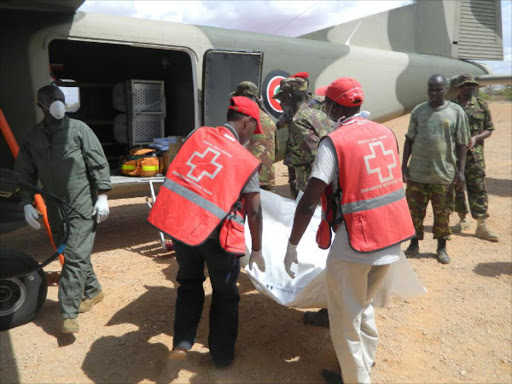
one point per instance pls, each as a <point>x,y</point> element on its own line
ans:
<point>210,187</point>
<point>357,175</point>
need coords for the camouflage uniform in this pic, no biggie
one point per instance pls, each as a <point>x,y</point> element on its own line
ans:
<point>441,196</point>
<point>480,120</point>
<point>308,127</point>
<point>431,171</point>
<point>263,147</point>
<point>316,103</point>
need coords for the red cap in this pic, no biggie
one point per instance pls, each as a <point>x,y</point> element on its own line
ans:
<point>248,107</point>
<point>344,91</point>
<point>302,75</point>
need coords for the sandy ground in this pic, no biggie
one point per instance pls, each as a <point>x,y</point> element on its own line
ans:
<point>460,332</point>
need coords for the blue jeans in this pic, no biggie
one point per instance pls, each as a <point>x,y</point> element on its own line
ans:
<point>223,270</point>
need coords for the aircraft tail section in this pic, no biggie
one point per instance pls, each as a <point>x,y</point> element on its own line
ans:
<point>464,29</point>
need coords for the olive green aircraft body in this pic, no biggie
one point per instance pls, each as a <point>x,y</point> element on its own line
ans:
<point>392,54</point>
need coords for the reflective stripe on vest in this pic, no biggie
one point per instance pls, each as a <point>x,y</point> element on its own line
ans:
<point>373,201</point>
<point>128,167</point>
<point>150,168</point>
<point>195,198</point>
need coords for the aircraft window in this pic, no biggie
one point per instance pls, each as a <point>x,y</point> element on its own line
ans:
<point>71,93</point>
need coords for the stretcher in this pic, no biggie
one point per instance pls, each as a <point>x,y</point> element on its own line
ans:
<point>167,245</point>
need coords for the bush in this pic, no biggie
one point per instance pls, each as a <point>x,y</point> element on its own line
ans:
<point>496,93</point>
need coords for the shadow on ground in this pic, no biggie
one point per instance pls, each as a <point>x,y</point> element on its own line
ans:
<point>494,269</point>
<point>499,187</point>
<point>136,356</point>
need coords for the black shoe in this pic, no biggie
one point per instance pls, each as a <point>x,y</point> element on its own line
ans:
<point>332,377</point>
<point>318,319</point>
<point>413,249</point>
<point>221,364</point>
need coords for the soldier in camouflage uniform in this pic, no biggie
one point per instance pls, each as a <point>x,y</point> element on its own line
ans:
<point>262,146</point>
<point>436,145</point>
<point>313,101</point>
<point>307,127</point>
<point>285,122</point>
<point>481,127</point>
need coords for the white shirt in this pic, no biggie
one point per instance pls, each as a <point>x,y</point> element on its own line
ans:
<point>325,168</point>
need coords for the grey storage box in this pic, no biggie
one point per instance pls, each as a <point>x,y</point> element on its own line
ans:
<point>144,104</point>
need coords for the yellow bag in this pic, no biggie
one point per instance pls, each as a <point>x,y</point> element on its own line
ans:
<point>141,162</point>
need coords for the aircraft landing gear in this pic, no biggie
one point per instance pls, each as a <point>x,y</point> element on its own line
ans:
<point>23,295</point>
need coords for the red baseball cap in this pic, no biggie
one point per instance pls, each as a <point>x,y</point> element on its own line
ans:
<point>343,91</point>
<point>248,107</point>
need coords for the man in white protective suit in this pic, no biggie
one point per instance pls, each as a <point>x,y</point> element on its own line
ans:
<point>357,175</point>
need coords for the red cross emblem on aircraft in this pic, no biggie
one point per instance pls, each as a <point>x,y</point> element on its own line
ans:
<point>204,167</point>
<point>378,151</point>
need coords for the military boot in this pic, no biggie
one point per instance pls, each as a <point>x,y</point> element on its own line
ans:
<point>482,232</point>
<point>463,224</point>
<point>413,249</point>
<point>70,326</point>
<point>87,304</point>
<point>318,319</point>
<point>442,254</point>
<point>332,377</point>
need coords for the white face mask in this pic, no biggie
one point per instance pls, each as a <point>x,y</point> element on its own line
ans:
<point>57,109</point>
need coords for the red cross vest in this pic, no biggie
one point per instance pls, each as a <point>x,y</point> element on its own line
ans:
<point>202,189</point>
<point>372,200</point>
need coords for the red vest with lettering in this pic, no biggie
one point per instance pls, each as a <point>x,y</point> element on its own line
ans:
<point>202,189</point>
<point>373,201</point>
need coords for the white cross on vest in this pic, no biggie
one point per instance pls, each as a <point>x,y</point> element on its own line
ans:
<point>212,164</point>
<point>380,152</point>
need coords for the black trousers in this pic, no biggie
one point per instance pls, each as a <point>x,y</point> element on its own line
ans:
<point>223,270</point>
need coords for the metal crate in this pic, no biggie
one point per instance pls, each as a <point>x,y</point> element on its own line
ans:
<point>146,127</point>
<point>146,96</point>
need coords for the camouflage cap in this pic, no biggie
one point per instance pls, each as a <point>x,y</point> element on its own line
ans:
<point>246,88</point>
<point>465,79</point>
<point>296,84</point>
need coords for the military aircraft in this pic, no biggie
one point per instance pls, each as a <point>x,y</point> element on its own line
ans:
<point>139,79</point>
<point>136,80</point>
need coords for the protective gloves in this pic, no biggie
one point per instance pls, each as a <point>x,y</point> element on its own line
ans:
<point>257,257</point>
<point>101,209</point>
<point>290,257</point>
<point>31,216</point>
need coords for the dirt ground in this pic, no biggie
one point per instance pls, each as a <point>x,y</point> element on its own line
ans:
<point>459,332</point>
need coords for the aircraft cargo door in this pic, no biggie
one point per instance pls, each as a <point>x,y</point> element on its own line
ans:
<point>223,70</point>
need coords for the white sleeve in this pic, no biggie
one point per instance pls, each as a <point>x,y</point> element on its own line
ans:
<point>325,166</point>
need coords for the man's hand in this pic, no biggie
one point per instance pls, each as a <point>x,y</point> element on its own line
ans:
<point>31,216</point>
<point>101,210</point>
<point>472,143</point>
<point>290,257</point>
<point>405,175</point>
<point>460,181</point>
<point>257,257</point>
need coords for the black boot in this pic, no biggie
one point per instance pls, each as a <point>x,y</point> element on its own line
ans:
<point>442,254</point>
<point>413,249</point>
<point>332,377</point>
<point>318,319</point>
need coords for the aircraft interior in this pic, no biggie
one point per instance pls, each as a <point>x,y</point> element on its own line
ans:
<point>127,95</point>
